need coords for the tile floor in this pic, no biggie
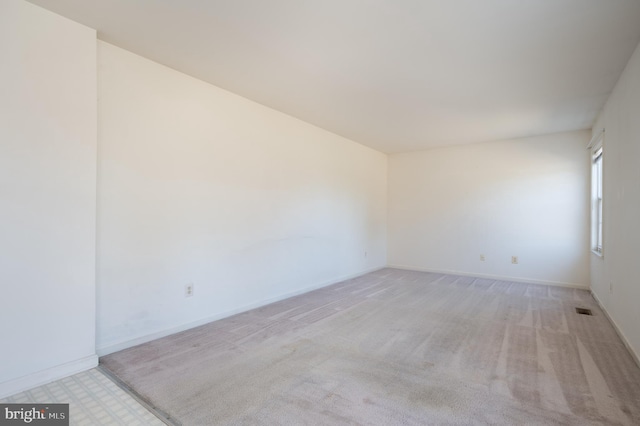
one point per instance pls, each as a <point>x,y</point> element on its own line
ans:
<point>93,400</point>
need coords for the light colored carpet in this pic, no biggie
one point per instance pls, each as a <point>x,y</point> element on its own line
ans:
<point>396,347</point>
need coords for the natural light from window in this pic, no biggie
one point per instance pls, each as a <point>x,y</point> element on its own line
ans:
<point>596,196</point>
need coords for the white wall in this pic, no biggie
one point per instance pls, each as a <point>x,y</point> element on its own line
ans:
<point>198,185</point>
<point>525,198</point>
<point>620,267</point>
<point>47,196</point>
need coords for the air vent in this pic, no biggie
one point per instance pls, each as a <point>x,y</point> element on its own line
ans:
<point>583,311</point>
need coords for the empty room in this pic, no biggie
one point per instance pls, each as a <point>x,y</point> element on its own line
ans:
<point>285,212</point>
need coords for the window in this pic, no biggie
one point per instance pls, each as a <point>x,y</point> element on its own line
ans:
<point>596,196</point>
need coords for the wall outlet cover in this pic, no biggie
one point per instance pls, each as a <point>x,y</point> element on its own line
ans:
<point>188,290</point>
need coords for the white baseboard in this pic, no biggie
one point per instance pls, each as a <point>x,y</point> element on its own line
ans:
<point>624,339</point>
<point>115,347</point>
<point>49,375</point>
<point>493,277</point>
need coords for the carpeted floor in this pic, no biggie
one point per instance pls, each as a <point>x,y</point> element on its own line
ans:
<point>396,347</point>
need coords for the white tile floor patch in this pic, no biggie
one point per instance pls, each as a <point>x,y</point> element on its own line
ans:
<point>93,400</point>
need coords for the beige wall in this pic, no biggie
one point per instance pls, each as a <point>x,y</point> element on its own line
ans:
<point>198,185</point>
<point>616,276</point>
<point>526,198</point>
<point>47,194</point>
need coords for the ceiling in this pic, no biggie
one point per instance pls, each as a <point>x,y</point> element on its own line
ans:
<point>396,75</point>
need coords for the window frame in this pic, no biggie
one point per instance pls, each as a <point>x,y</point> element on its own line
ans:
<point>597,196</point>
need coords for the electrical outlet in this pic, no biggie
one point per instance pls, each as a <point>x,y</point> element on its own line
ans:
<point>482,258</point>
<point>188,290</point>
<point>514,260</point>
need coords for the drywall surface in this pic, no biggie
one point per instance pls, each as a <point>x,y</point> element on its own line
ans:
<point>615,277</point>
<point>48,196</point>
<point>526,198</point>
<point>198,185</point>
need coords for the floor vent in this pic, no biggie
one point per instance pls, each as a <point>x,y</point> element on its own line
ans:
<point>583,311</point>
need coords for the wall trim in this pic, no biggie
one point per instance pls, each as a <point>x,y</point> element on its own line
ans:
<point>495,277</point>
<point>618,330</point>
<point>48,375</point>
<point>115,347</point>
